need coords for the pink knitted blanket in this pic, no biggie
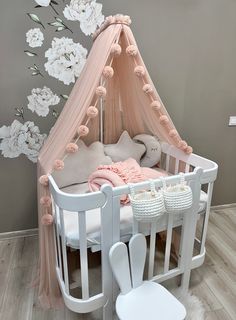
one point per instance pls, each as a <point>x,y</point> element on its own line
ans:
<point>121,173</point>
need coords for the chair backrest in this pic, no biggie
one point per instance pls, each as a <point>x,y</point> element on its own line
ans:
<point>125,269</point>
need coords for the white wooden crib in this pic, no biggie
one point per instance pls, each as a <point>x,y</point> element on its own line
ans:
<point>115,224</point>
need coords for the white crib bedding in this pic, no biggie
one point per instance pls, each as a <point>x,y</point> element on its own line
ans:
<point>93,220</point>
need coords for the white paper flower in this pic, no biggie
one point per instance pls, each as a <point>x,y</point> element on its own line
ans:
<point>34,37</point>
<point>87,12</point>
<point>21,138</point>
<point>65,59</point>
<point>43,3</point>
<point>41,99</point>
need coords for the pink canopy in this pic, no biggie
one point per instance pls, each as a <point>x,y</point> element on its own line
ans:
<point>115,74</point>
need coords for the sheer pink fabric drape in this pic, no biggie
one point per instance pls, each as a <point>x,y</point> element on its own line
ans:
<point>126,107</point>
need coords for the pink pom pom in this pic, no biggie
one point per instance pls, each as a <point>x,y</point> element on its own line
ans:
<point>156,105</point>
<point>108,72</point>
<point>116,49</point>
<point>58,165</point>
<point>47,219</point>
<point>189,150</point>
<point>43,180</point>
<point>139,71</point>
<point>132,50</point>
<point>147,88</point>
<point>92,112</point>
<point>182,145</point>
<point>164,120</point>
<point>72,147</point>
<point>101,91</point>
<point>83,130</point>
<point>173,133</point>
<point>46,201</point>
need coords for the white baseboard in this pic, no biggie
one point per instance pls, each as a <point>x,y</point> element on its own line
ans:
<point>224,206</point>
<point>18,234</point>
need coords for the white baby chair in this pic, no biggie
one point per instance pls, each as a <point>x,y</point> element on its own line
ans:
<point>140,299</point>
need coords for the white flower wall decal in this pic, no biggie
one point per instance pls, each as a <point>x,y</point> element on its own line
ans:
<point>34,38</point>
<point>21,138</point>
<point>65,59</point>
<point>43,3</point>
<point>87,12</point>
<point>41,99</point>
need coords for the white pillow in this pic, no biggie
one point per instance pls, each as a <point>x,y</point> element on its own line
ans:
<point>80,165</point>
<point>124,149</point>
<point>153,150</point>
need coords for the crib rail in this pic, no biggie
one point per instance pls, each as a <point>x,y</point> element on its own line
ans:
<point>82,204</point>
<point>189,162</point>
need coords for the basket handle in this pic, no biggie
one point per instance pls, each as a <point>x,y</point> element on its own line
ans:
<point>182,179</point>
<point>163,182</point>
<point>131,188</point>
<point>152,186</point>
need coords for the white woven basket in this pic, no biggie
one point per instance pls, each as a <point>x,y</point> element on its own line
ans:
<point>147,205</point>
<point>178,197</point>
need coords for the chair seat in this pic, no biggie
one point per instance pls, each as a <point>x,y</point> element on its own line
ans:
<point>149,301</point>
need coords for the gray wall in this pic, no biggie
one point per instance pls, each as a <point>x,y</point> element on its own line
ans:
<point>190,50</point>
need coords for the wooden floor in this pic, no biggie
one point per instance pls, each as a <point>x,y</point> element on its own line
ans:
<point>214,282</point>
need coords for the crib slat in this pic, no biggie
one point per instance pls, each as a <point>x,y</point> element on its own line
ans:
<point>135,226</point>
<point>176,166</point>
<point>58,241</point>
<point>167,162</point>
<point>168,242</point>
<point>152,250</point>
<point>55,233</point>
<point>83,254</point>
<point>64,254</point>
<point>116,219</point>
<point>206,217</point>
<point>187,167</point>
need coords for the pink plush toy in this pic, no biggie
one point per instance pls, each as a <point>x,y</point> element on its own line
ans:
<point>47,219</point>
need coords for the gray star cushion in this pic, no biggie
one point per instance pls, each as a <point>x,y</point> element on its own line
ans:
<point>125,148</point>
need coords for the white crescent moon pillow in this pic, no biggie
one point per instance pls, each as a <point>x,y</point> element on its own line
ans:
<point>153,150</point>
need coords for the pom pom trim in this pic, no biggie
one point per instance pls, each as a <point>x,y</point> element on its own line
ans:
<point>156,105</point>
<point>108,72</point>
<point>72,147</point>
<point>92,112</point>
<point>101,91</point>
<point>132,50</point>
<point>147,88</point>
<point>116,49</point>
<point>46,201</point>
<point>47,219</point>
<point>58,165</point>
<point>43,180</point>
<point>83,130</point>
<point>139,71</point>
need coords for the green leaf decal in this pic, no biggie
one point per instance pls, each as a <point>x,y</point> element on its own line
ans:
<point>61,28</point>
<point>30,54</point>
<point>64,96</point>
<point>19,112</point>
<point>35,70</point>
<point>35,18</point>
<point>59,20</point>
<point>60,24</point>
<point>55,24</point>
<point>55,113</point>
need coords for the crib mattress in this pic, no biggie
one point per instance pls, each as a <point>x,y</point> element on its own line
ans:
<point>93,221</point>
